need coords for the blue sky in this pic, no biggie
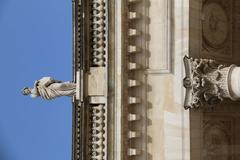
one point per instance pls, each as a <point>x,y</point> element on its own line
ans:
<point>35,41</point>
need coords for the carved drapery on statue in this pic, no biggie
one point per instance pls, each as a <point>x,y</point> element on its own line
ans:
<point>208,82</point>
<point>49,88</point>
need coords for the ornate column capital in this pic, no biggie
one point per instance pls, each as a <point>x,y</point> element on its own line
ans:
<point>207,82</point>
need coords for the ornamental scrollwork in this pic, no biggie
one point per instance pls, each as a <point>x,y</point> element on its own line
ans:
<point>205,82</point>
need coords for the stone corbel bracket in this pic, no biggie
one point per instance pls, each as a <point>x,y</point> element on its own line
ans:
<point>207,82</point>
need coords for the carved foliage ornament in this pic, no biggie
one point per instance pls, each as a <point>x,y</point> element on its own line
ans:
<point>205,82</point>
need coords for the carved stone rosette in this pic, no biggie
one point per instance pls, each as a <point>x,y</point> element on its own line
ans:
<point>217,26</point>
<point>207,82</point>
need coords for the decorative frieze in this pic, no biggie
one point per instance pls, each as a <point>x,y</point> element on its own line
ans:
<point>90,65</point>
<point>135,41</point>
<point>98,33</point>
<point>97,132</point>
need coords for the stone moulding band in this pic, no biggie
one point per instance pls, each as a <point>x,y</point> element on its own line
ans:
<point>90,57</point>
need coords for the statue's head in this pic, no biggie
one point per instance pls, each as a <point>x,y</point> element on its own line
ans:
<point>26,91</point>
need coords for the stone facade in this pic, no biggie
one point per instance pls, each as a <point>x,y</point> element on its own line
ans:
<point>129,70</point>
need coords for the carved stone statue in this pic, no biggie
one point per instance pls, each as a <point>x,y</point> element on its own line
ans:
<point>48,89</point>
<point>208,83</point>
